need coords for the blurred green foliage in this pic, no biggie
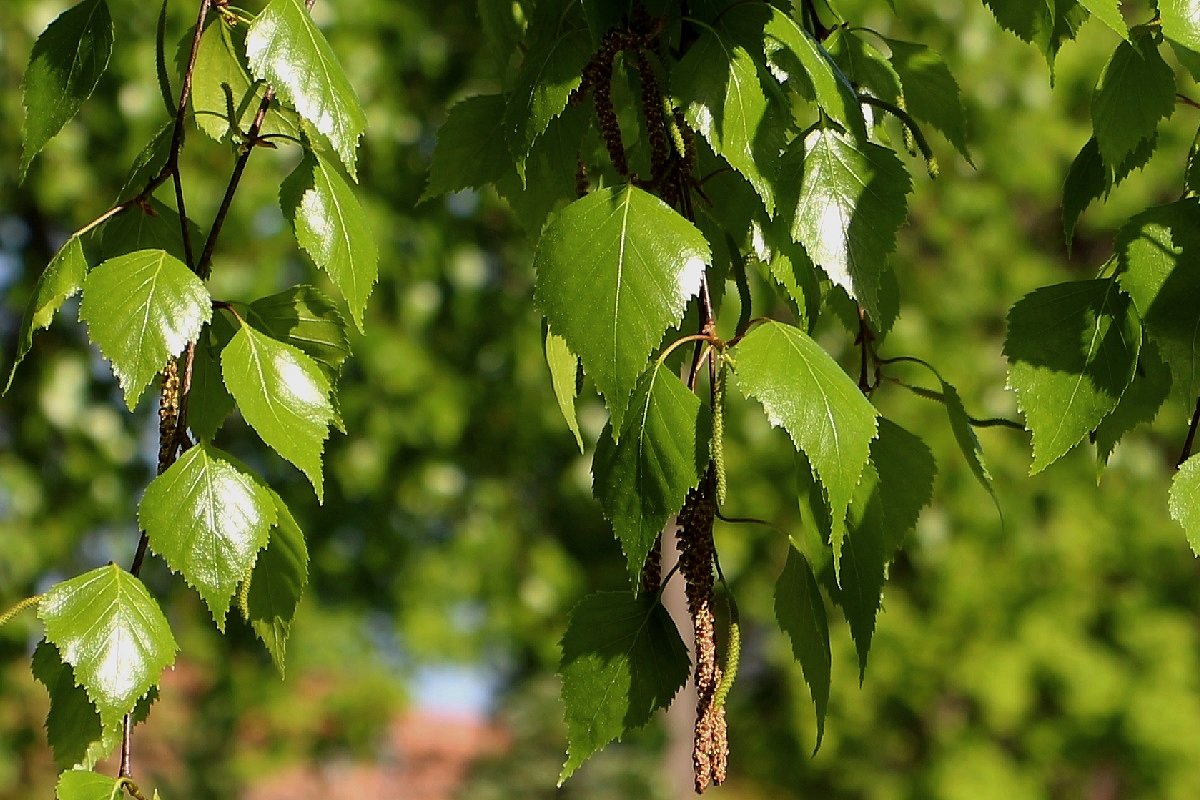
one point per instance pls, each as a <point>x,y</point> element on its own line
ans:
<point>1054,655</point>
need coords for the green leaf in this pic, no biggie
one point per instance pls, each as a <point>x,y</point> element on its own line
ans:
<point>622,660</point>
<point>852,202</point>
<point>332,228</point>
<point>800,611</point>
<point>863,64</point>
<point>277,584</point>
<point>1108,12</point>
<point>64,68</point>
<point>930,92</point>
<point>1139,404</point>
<point>1181,22</point>
<point>803,390</point>
<point>642,479</point>
<point>906,470</point>
<point>61,279</point>
<point>78,784</point>
<point>112,633</point>
<point>615,270</point>
<point>1047,24</point>
<point>224,98</point>
<point>208,401</point>
<point>1159,257</point>
<point>141,309</point>
<point>968,442</point>
<point>719,86</point>
<point>1184,500</point>
<point>1072,349</point>
<point>559,48</point>
<point>208,519</point>
<point>564,368</point>
<point>73,726</point>
<point>471,148</point>
<point>834,94</point>
<point>307,320</point>
<point>148,163</point>
<point>1088,179</point>
<point>153,226</point>
<point>549,170</point>
<point>1135,91</point>
<point>285,48</point>
<point>864,564</point>
<point>283,395</point>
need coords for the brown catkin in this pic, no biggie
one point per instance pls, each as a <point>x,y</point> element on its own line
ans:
<point>168,416</point>
<point>651,580</point>
<point>581,177</point>
<point>652,109</point>
<point>710,751</point>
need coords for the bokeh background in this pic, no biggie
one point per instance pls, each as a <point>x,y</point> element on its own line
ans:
<point>1056,655</point>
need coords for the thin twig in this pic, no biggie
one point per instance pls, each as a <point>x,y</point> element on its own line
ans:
<point>1184,100</point>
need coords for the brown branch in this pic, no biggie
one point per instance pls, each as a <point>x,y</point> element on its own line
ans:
<point>1191,436</point>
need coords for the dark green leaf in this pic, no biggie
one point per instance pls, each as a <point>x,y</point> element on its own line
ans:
<point>719,86</point>
<point>1047,24</point>
<point>1136,90</point>
<point>906,470</point>
<point>141,309</point>
<point>642,480</point>
<point>471,148</point>
<point>622,660</point>
<point>64,68</point>
<point>1072,349</point>
<point>1088,179</point>
<point>864,563</point>
<point>332,228</point>
<point>863,64</point>
<point>283,394</point>
<point>208,401</point>
<point>62,278</point>
<point>930,91</point>
<point>559,48</point>
<point>78,784</point>
<point>1140,403</point>
<point>148,163</point>
<point>153,226</point>
<point>800,612</point>
<point>550,169</point>
<point>614,271</point>
<point>852,202</point>
<point>306,319</point>
<point>112,633</point>
<point>73,726</point>
<point>833,92</point>
<point>803,390</point>
<point>285,48</point>
<point>208,519</point>
<point>564,366</point>
<point>968,442</point>
<point>1159,256</point>
<point>277,584</point>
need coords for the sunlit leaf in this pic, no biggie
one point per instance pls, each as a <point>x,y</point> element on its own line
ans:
<point>614,271</point>
<point>332,228</point>
<point>283,394</point>
<point>208,519</point>
<point>285,48</point>
<point>112,633</point>
<point>141,309</point>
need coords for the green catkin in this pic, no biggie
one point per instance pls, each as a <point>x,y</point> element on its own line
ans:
<point>243,597</point>
<point>28,602</point>
<point>718,433</point>
<point>733,657</point>
<point>674,129</point>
